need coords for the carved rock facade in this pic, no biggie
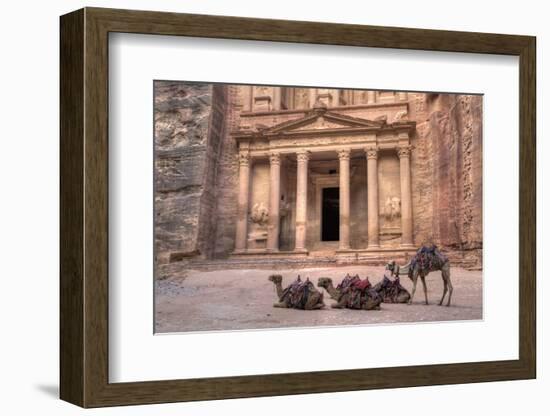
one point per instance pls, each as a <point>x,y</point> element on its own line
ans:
<point>238,168</point>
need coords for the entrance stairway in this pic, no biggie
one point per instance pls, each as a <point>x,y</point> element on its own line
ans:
<point>326,258</point>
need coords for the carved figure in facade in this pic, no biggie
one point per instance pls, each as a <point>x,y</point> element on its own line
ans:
<point>400,116</point>
<point>262,91</point>
<point>352,293</point>
<point>259,214</point>
<point>427,259</point>
<point>301,98</point>
<point>392,208</point>
<point>382,119</point>
<point>284,209</point>
<point>298,295</point>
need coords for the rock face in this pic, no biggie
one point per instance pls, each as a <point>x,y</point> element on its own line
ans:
<point>189,126</point>
<point>447,173</point>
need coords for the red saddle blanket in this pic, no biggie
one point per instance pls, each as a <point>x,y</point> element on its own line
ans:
<point>360,292</point>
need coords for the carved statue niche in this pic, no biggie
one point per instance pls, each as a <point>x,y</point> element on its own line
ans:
<point>301,98</point>
<point>392,208</point>
<point>257,235</point>
<point>263,98</point>
<point>259,214</point>
<point>284,209</point>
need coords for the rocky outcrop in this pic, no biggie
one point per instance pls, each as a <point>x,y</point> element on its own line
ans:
<point>447,174</point>
<point>189,125</point>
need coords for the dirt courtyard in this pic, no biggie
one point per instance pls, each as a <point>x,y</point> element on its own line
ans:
<point>243,299</point>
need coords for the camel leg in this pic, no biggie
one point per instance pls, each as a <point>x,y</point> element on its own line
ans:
<point>341,303</point>
<point>371,304</point>
<point>448,279</point>
<point>315,302</point>
<point>444,291</point>
<point>423,278</point>
<point>415,280</point>
<point>280,305</point>
<point>403,297</point>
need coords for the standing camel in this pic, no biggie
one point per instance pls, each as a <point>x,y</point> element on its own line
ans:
<point>419,267</point>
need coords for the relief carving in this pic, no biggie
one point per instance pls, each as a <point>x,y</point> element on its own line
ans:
<point>392,208</point>
<point>400,116</point>
<point>301,98</point>
<point>404,151</point>
<point>372,152</point>
<point>259,214</point>
<point>284,209</point>
<point>244,159</point>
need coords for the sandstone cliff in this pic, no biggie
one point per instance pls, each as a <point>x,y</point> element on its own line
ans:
<point>189,125</point>
<point>447,178</point>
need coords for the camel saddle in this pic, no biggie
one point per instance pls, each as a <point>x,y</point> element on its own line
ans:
<point>389,290</point>
<point>427,258</point>
<point>297,292</point>
<point>359,291</point>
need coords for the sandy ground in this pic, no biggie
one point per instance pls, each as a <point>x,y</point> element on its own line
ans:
<point>243,299</point>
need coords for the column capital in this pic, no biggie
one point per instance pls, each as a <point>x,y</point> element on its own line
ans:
<point>244,159</point>
<point>302,155</point>
<point>404,151</point>
<point>344,154</point>
<point>372,152</point>
<point>275,158</point>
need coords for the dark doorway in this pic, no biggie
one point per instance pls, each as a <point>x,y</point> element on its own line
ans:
<point>330,227</point>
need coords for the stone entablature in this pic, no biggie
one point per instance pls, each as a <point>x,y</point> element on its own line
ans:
<point>272,98</point>
<point>326,132</point>
<point>318,129</point>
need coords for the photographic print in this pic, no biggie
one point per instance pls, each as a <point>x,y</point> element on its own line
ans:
<point>290,206</point>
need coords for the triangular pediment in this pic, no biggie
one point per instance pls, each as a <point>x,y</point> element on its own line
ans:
<point>322,120</point>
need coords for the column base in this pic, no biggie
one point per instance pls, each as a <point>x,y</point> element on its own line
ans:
<point>301,251</point>
<point>373,247</point>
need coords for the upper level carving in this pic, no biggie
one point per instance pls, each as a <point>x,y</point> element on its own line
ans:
<point>264,98</point>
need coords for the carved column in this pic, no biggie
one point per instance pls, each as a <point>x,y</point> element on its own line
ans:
<point>242,198</point>
<point>301,200</point>
<point>276,98</point>
<point>312,97</point>
<point>274,201</point>
<point>371,97</point>
<point>404,153</point>
<point>247,97</point>
<point>344,156</point>
<point>402,96</point>
<point>372,201</point>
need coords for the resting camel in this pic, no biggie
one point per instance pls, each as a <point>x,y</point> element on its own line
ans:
<point>348,297</point>
<point>392,291</point>
<point>298,295</point>
<point>441,263</point>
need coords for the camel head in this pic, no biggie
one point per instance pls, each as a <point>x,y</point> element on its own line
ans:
<point>324,282</point>
<point>275,278</point>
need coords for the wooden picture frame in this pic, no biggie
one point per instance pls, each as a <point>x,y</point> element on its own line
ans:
<point>84,207</point>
